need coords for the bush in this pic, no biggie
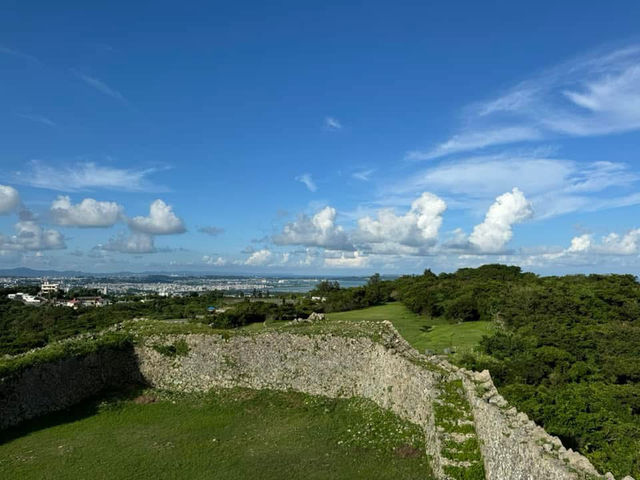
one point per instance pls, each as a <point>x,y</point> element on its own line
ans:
<point>463,309</point>
<point>178,349</point>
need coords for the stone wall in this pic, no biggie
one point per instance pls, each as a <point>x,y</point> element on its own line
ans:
<point>54,386</point>
<point>387,371</point>
<point>327,365</point>
<point>512,445</point>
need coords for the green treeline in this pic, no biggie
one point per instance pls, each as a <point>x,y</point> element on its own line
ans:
<point>567,350</point>
<point>23,327</point>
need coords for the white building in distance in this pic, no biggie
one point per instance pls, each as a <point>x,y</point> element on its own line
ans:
<point>49,288</point>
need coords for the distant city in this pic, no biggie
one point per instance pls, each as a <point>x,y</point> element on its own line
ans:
<point>173,285</point>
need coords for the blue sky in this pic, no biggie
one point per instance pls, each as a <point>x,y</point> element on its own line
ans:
<point>335,137</point>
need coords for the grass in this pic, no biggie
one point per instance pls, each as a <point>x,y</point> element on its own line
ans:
<point>225,434</point>
<point>452,413</point>
<point>179,348</point>
<point>70,347</point>
<point>422,332</point>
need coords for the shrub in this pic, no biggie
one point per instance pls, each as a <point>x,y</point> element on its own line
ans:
<point>179,348</point>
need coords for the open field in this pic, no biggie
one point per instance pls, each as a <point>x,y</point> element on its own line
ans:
<point>226,434</point>
<point>422,332</point>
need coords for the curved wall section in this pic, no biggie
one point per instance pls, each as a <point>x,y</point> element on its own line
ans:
<point>387,371</point>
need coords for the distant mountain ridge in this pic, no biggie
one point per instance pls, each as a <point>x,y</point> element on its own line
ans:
<point>33,273</point>
<point>29,272</point>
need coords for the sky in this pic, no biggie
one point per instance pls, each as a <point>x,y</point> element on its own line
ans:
<point>320,137</point>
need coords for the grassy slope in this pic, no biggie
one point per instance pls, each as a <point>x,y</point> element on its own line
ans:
<point>232,434</point>
<point>412,327</point>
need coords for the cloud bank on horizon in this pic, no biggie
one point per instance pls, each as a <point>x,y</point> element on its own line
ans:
<point>138,169</point>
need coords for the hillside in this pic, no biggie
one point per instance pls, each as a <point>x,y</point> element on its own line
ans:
<point>563,350</point>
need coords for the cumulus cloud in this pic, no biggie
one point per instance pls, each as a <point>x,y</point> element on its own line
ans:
<point>259,257</point>
<point>418,227</point>
<point>9,199</point>
<point>319,230</point>
<point>161,221</point>
<point>31,236</point>
<point>611,244</point>
<point>211,230</point>
<point>496,230</point>
<point>610,252</point>
<point>136,243</point>
<point>215,261</point>
<point>308,181</point>
<point>581,243</point>
<point>347,260</point>
<point>87,213</point>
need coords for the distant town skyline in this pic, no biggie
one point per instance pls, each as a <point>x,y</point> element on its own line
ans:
<point>333,139</point>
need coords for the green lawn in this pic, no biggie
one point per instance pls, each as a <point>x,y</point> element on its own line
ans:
<point>413,327</point>
<point>222,435</point>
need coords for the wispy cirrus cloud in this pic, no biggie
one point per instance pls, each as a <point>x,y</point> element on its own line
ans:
<point>363,175</point>
<point>598,94</point>
<point>332,123</point>
<point>211,230</point>
<point>84,176</point>
<point>34,117</point>
<point>18,54</point>
<point>307,180</point>
<point>100,86</point>
<point>474,140</point>
<point>555,186</point>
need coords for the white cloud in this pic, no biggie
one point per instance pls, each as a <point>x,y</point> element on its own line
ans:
<point>101,86</point>
<point>363,175</point>
<point>161,221</point>
<point>594,95</point>
<point>136,243</point>
<point>319,230</point>
<point>496,230</point>
<point>394,248</point>
<point>34,117</point>
<point>581,243</point>
<point>611,244</point>
<point>87,213</point>
<point>610,253</point>
<point>31,236</point>
<point>475,140</point>
<point>84,176</point>
<point>308,181</point>
<point>417,228</point>
<point>486,176</point>
<point>347,260</point>
<point>9,199</point>
<point>211,230</point>
<point>332,123</point>
<point>215,261</point>
<point>554,186</point>
<point>18,54</point>
<point>259,258</point>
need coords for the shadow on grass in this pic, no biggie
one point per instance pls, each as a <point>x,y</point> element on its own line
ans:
<point>82,410</point>
<point>66,390</point>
